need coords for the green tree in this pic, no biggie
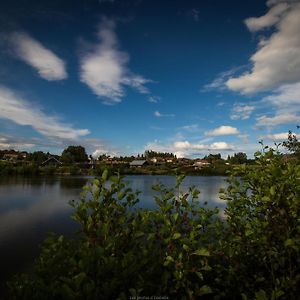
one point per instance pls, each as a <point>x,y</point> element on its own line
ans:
<point>74,154</point>
<point>212,157</point>
<point>239,158</point>
<point>37,157</point>
<point>292,144</point>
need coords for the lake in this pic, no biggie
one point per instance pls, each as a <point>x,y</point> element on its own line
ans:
<point>31,207</point>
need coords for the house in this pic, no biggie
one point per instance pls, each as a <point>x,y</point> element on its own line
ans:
<point>138,163</point>
<point>51,161</point>
<point>11,155</point>
<point>154,160</point>
<point>200,163</point>
<point>185,161</point>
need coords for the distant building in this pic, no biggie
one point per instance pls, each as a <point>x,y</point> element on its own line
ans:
<point>200,163</point>
<point>11,155</point>
<point>138,163</point>
<point>185,161</point>
<point>154,160</point>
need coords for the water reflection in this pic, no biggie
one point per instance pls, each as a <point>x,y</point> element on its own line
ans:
<point>208,186</point>
<point>31,207</point>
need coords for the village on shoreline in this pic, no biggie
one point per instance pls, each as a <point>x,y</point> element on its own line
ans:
<point>75,161</point>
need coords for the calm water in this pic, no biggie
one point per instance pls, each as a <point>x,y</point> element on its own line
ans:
<point>31,207</point>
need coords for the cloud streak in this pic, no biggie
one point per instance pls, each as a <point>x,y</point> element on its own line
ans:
<point>241,112</point>
<point>20,111</point>
<point>48,65</point>
<point>104,67</point>
<point>276,136</point>
<point>160,115</point>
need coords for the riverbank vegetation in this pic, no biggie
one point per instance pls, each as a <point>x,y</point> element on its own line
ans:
<point>181,249</point>
<point>75,161</point>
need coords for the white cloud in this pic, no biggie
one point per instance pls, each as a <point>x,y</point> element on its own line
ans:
<point>219,81</point>
<point>160,115</point>
<point>104,68</point>
<point>8,143</point>
<point>286,98</point>
<point>220,146</point>
<point>271,18</point>
<point>277,60</point>
<point>16,109</point>
<point>188,149</point>
<point>241,112</point>
<point>185,145</point>
<point>222,130</point>
<point>48,65</point>
<point>102,151</point>
<point>277,120</point>
<point>275,136</point>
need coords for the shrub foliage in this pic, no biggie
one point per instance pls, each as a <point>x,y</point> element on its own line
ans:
<point>181,249</point>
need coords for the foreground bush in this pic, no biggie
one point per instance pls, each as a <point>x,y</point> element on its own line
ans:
<point>181,249</point>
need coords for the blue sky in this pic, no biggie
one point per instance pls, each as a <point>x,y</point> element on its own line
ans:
<point>120,77</point>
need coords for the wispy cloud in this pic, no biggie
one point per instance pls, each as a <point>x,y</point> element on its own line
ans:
<point>219,83</point>
<point>277,120</point>
<point>277,60</point>
<point>241,112</point>
<point>222,130</point>
<point>275,136</point>
<point>48,65</point>
<point>154,99</point>
<point>104,68</point>
<point>7,142</point>
<point>14,108</point>
<point>194,14</point>
<point>285,98</point>
<point>190,128</point>
<point>286,101</point>
<point>160,115</point>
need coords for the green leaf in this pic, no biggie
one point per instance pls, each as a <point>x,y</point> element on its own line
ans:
<point>261,295</point>
<point>205,289</point>
<point>200,276</point>
<point>175,216</point>
<point>79,278</point>
<point>248,232</point>
<point>272,190</point>
<point>176,235</point>
<point>202,252</point>
<point>139,234</point>
<point>105,175</point>
<point>179,180</point>
<point>169,258</point>
<point>185,247</point>
<point>288,243</point>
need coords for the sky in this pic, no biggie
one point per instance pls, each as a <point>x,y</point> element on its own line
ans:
<point>123,76</point>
